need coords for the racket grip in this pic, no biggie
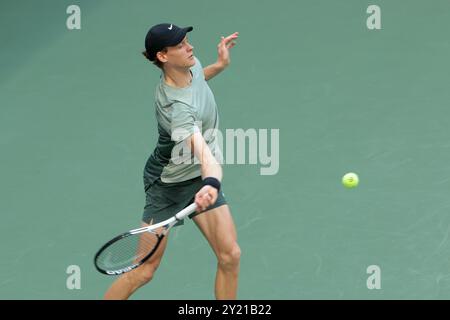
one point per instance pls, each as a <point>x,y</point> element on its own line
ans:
<point>186,211</point>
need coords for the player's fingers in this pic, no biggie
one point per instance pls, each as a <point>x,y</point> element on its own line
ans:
<point>222,44</point>
<point>231,45</point>
<point>207,198</point>
<point>212,196</point>
<point>202,191</point>
<point>232,36</point>
<point>229,42</point>
<point>210,199</point>
<point>201,207</point>
<point>226,41</point>
<point>200,202</point>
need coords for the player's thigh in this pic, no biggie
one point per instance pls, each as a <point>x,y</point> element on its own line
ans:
<point>218,227</point>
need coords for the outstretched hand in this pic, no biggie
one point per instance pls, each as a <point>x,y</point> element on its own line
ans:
<point>223,48</point>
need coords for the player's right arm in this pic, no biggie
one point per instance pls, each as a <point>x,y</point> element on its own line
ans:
<point>184,128</point>
<point>209,168</point>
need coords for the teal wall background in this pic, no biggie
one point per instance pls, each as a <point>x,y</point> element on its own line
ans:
<point>77,125</point>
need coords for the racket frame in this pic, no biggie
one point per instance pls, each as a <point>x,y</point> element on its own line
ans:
<point>167,224</point>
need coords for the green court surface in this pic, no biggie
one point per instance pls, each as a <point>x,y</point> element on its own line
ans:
<point>77,125</point>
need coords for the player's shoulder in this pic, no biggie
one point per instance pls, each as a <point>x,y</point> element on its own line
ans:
<point>166,95</point>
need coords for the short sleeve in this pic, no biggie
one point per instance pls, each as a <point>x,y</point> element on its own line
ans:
<point>183,122</point>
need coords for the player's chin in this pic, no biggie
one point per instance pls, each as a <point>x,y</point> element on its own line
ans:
<point>191,60</point>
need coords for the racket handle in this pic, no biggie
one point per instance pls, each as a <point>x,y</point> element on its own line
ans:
<point>186,211</point>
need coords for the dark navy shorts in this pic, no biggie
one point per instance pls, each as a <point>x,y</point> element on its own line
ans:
<point>164,200</point>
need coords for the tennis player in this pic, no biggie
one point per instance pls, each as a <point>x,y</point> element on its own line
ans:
<point>184,167</point>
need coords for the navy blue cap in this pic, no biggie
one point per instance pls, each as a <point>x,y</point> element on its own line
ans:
<point>163,35</point>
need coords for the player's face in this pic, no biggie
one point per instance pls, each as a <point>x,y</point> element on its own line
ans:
<point>181,55</point>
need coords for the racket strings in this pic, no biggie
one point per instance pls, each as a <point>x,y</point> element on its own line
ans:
<point>127,251</point>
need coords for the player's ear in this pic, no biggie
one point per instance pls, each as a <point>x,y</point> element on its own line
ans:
<point>162,56</point>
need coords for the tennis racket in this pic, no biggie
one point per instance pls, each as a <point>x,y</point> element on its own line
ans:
<point>131,249</point>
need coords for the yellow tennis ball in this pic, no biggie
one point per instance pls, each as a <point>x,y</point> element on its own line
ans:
<point>350,180</point>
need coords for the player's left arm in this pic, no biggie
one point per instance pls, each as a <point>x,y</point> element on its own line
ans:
<point>223,60</point>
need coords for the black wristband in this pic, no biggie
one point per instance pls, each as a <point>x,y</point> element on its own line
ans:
<point>213,182</point>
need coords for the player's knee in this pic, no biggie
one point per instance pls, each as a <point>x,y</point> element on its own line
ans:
<point>144,274</point>
<point>230,258</point>
<point>146,277</point>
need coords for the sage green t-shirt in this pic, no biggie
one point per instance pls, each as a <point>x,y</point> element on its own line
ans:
<point>180,112</point>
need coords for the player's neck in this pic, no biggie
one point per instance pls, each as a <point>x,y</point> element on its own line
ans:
<point>179,78</point>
